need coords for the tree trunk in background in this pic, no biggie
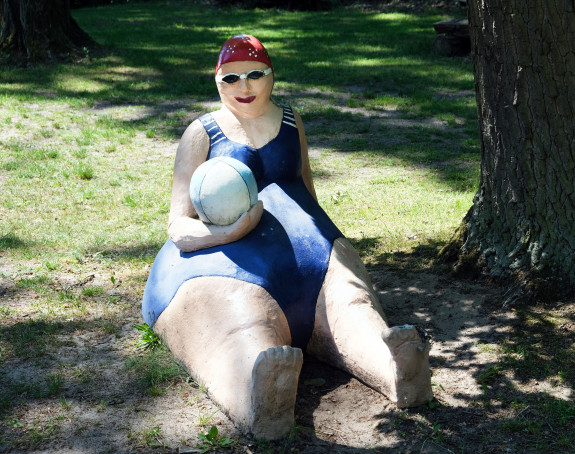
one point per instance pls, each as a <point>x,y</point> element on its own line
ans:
<point>521,227</point>
<point>39,30</point>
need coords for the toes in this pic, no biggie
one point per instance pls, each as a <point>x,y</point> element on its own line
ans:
<point>286,355</point>
<point>410,354</point>
<point>396,336</point>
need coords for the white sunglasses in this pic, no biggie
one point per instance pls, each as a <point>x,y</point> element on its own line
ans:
<point>254,74</point>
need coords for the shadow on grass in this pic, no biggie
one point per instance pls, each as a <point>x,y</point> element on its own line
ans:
<point>531,384</point>
<point>423,257</point>
<point>523,398</point>
<point>145,252</point>
<point>27,343</point>
<point>11,241</point>
<point>77,369</point>
<point>84,391</point>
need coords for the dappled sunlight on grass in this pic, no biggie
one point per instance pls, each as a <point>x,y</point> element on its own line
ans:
<point>400,206</point>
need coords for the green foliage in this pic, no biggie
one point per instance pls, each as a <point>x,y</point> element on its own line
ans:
<point>55,383</point>
<point>204,418</point>
<point>212,440</point>
<point>84,171</point>
<point>31,338</point>
<point>93,291</point>
<point>152,436</point>
<point>155,370</point>
<point>149,340</point>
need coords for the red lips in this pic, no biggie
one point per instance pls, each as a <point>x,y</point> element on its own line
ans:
<point>245,100</point>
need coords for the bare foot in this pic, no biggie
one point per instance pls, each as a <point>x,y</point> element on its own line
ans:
<point>274,386</point>
<point>410,360</point>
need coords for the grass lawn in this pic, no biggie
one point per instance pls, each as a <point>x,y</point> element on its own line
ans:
<point>100,134</point>
<point>86,155</point>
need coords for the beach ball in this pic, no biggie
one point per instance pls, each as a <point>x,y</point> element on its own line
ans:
<point>222,189</point>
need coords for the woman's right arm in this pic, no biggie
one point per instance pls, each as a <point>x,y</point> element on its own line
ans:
<point>185,229</point>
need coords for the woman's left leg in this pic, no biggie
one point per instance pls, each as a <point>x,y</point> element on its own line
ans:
<point>351,333</point>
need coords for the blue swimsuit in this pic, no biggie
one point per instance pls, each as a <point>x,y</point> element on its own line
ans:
<point>287,253</point>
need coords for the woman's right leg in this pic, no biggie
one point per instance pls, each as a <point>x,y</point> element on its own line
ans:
<point>234,339</point>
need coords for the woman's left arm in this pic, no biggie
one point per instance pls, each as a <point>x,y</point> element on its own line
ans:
<point>305,167</point>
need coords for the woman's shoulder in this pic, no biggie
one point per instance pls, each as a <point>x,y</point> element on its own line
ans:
<point>196,127</point>
<point>195,137</point>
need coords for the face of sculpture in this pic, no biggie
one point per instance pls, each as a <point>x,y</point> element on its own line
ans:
<point>246,97</point>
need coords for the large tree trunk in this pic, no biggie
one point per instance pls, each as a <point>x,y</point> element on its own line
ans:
<point>39,30</point>
<point>522,222</point>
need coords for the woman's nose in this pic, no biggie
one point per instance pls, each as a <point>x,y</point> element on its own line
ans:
<point>244,84</point>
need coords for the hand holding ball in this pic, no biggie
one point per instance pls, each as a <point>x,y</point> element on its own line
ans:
<point>222,189</point>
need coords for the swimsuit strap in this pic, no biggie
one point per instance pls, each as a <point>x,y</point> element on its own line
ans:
<point>288,118</point>
<point>212,128</point>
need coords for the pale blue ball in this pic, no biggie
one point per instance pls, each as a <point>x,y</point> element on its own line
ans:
<point>222,189</point>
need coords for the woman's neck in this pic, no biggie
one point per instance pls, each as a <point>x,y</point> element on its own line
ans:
<point>255,132</point>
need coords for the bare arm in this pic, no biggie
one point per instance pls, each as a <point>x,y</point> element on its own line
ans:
<point>184,228</point>
<point>305,167</point>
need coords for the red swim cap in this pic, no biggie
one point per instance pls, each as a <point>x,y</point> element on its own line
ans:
<point>243,48</point>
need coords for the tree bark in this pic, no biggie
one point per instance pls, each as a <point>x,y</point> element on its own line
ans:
<point>521,224</point>
<point>40,30</point>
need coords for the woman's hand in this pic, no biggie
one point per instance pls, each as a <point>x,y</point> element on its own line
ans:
<point>191,234</point>
<point>246,222</point>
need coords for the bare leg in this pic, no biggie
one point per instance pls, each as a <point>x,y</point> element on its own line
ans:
<point>351,332</point>
<point>227,332</point>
